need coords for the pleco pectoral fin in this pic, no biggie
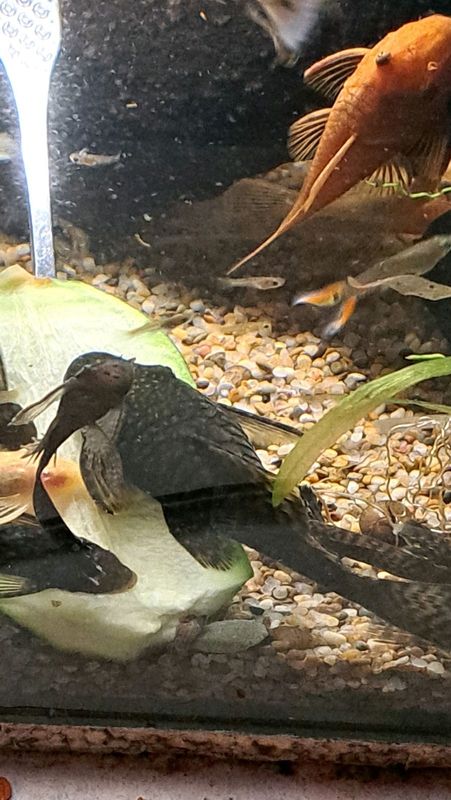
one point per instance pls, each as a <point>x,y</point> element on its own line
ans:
<point>14,586</point>
<point>101,469</point>
<point>304,135</point>
<point>329,75</point>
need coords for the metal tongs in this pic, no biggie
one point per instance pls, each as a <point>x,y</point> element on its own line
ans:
<point>30,37</point>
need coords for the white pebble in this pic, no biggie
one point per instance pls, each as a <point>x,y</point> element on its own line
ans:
<point>322,651</point>
<point>323,620</point>
<point>148,306</point>
<point>283,372</point>
<point>311,350</point>
<point>354,378</point>
<point>333,638</point>
<point>280,593</point>
<point>330,660</point>
<point>420,663</point>
<point>338,389</point>
<point>397,662</point>
<point>436,667</point>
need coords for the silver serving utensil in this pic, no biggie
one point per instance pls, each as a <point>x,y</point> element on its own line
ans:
<point>30,36</point>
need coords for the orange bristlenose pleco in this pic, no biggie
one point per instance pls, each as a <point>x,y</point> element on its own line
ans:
<point>390,117</point>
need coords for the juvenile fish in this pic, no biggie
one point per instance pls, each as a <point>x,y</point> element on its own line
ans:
<point>388,273</point>
<point>389,118</point>
<point>85,159</point>
<point>263,283</point>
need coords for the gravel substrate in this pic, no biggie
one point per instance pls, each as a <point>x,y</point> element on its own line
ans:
<point>316,643</point>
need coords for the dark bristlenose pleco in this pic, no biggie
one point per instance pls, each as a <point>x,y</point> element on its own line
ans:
<point>192,455</point>
<point>43,553</point>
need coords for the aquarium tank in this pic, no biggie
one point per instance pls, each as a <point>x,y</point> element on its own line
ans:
<point>225,438</point>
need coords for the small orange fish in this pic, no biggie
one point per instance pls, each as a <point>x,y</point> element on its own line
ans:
<point>333,294</point>
<point>416,260</point>
<point>389,119</point>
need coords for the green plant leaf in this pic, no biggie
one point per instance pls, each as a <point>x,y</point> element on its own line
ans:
<point>437,408</point>
<point>424,357</point>
<point>345,415</point>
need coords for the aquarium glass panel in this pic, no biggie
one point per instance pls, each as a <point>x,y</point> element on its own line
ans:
<point>225,438</point>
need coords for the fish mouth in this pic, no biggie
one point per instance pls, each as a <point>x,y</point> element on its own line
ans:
<point>128,585</point>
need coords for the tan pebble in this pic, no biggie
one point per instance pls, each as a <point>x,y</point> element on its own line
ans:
<point>340,461</point>
<point>295,655</point>
<point>416,651</point>
<point>322,651</point>
<point>398,662</point>
<point>398,492</point>
<point>330,660</point>
<point>338,389</point>
<point>322,620</point>
<point>355,656</point>
<point>101,278</point>
<point>203,350</point>
<point>281,576</point>
<point>293,638</point>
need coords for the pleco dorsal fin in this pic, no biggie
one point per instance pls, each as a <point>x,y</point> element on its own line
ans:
<point>329,75</point>
<point>429,159</point>
<point>304,135</point>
